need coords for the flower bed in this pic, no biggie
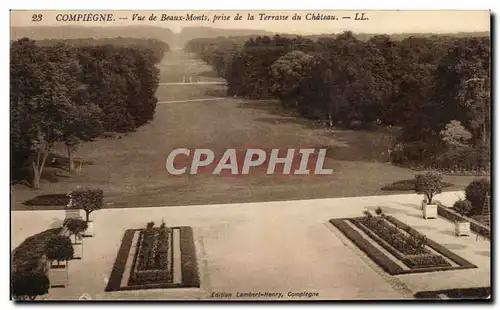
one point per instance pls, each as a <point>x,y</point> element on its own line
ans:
<point>188,263</point>
<point>405,243</point>
<point>425,260</point>
<point>396,237</point>
<point>153,261</point>
<point>396,247</point>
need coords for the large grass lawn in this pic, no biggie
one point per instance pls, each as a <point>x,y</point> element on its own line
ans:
<point>131,170</point>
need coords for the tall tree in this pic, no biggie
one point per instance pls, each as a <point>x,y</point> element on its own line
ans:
<point>463,88</point>
<point>41,98</point>
<point>287,73</point>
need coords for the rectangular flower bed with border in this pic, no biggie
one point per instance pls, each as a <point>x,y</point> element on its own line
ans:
<point>396,247</point>
<point>155,258</point>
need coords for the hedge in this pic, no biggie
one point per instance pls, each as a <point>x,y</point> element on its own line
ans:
<point>406,185</point>
<point>28,273</point>
<point>26,256</point>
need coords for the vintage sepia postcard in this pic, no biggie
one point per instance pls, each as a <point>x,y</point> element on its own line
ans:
<point>250,155</point>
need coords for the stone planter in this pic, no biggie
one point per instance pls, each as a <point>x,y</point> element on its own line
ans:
<point>58,274</point>
<point>77,244</point>
<point>462,228</point>
<point>430,211</point>
<point>73,213</point>
<point>90,229</point>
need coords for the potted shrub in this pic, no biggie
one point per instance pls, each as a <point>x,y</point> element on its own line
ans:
<point>76,227</point>
<point>71,209</point>
<point>88,199</point>
<point>59,252</point>
<point>429,184</point>
<point>462,226</point>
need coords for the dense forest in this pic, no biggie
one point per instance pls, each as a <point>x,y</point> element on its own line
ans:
<point>158,47</point>
<point>75,90</point>
<point>436,89</point>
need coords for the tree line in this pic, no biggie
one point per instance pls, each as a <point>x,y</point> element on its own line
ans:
<point>157,47</point>
<point>436,88</point>
<point>76,90</point>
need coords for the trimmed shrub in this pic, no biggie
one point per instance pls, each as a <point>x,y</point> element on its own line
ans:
<point>476,192</point>
<point>429,184</point>
<point>76,226</point>
<point>408,153</point>
<point>88,199</point>
<point>463,207</point>
<point>59,248</point>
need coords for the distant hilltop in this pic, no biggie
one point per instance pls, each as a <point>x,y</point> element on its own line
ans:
<point>179,39</point>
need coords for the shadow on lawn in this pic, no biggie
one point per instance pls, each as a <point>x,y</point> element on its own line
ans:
<point>48,200</point>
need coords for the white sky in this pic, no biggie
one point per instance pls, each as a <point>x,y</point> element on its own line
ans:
<point>380,21</point>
